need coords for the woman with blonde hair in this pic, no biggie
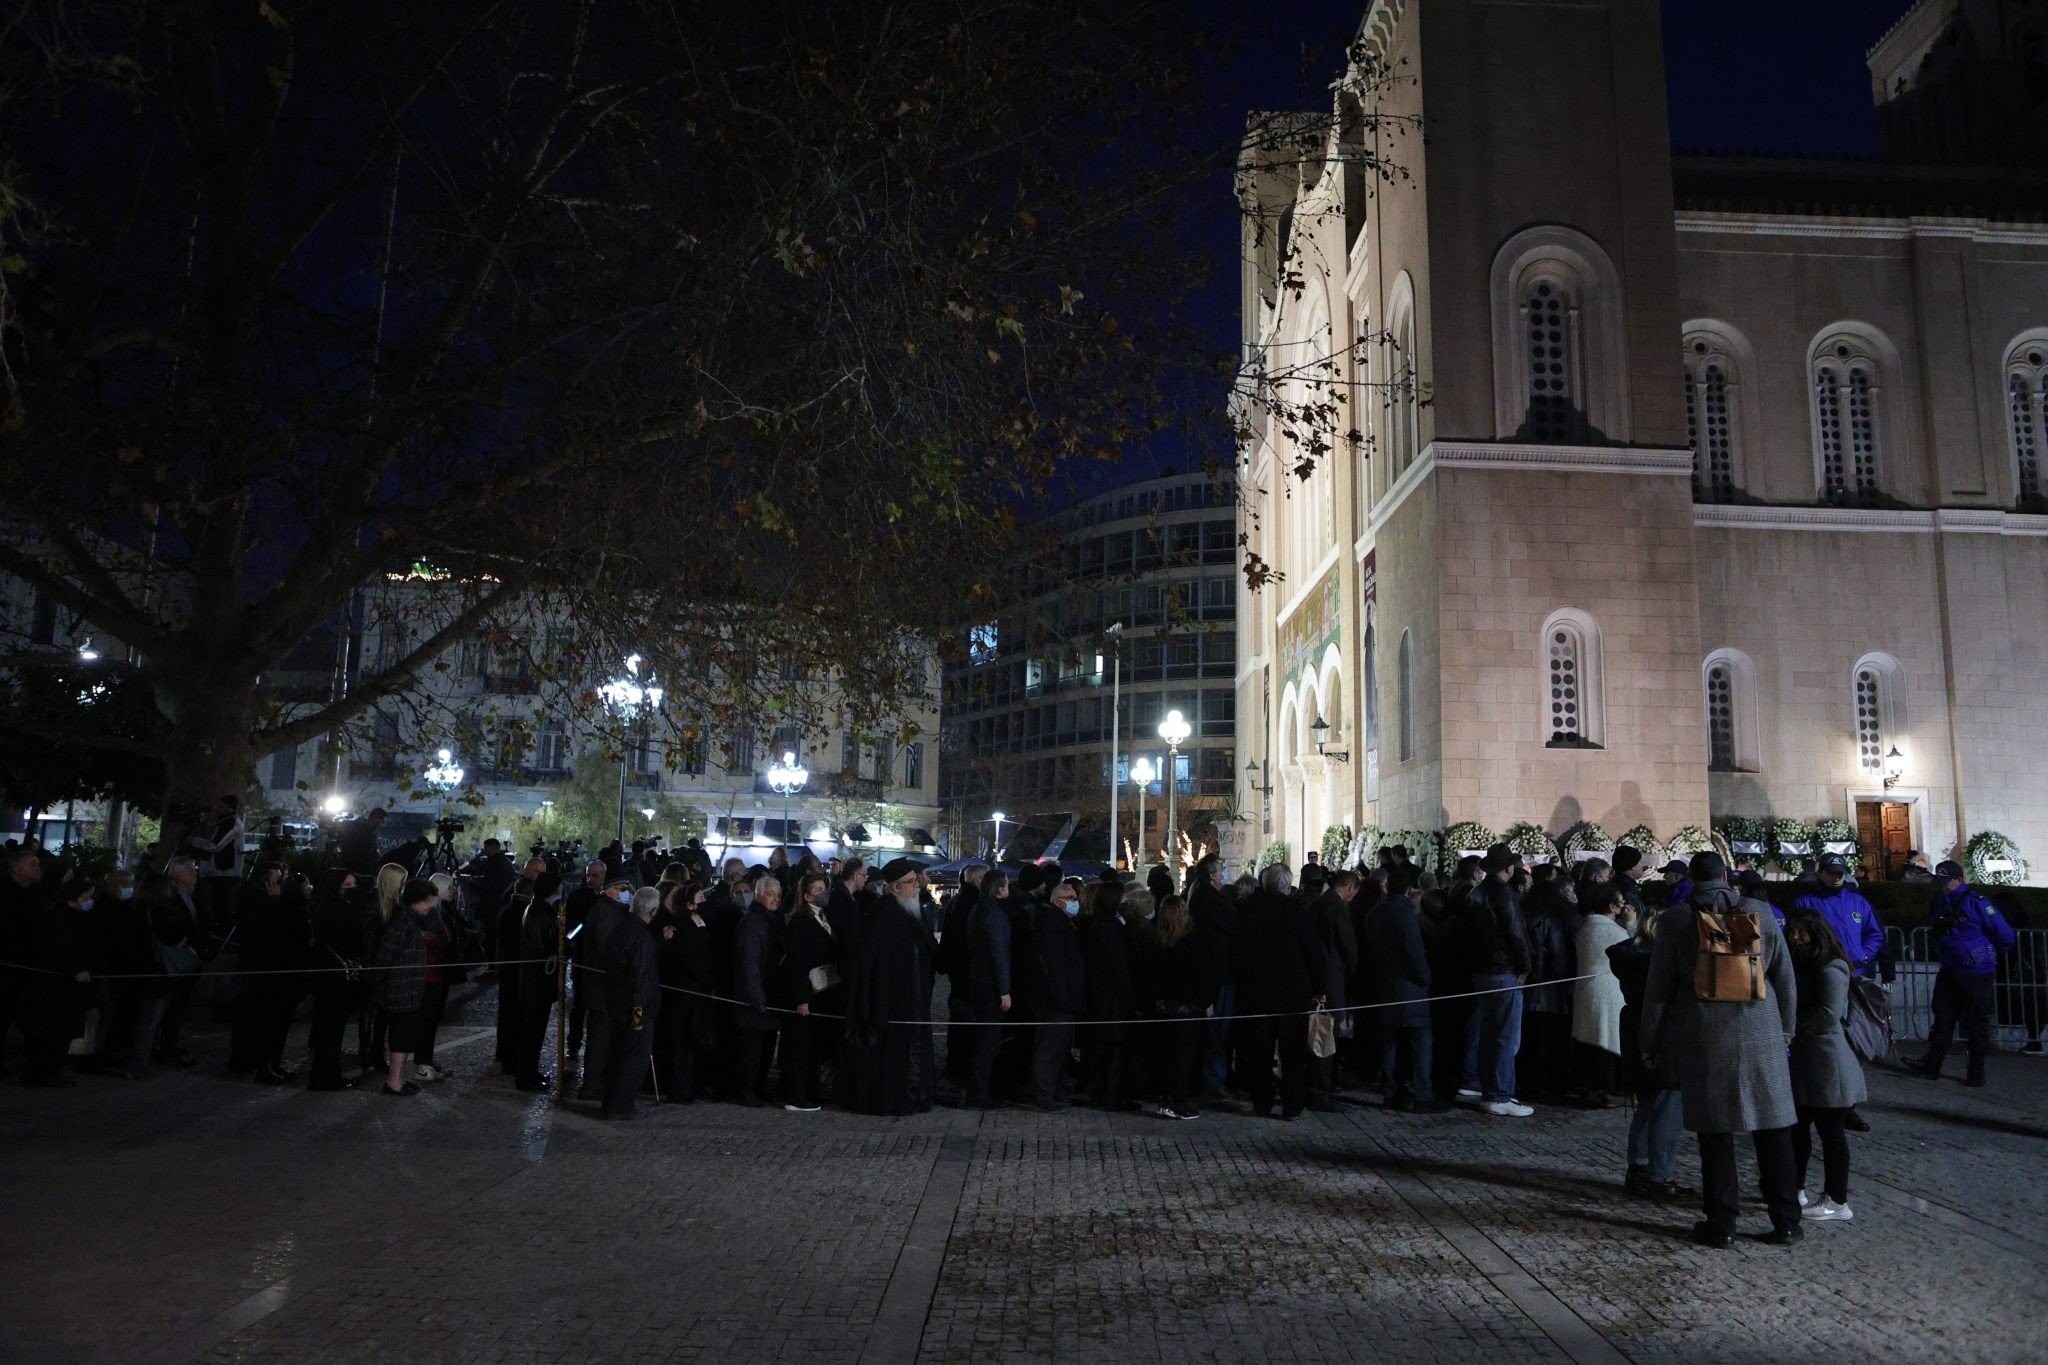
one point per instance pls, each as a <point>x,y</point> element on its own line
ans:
<point>1177,983</point>
<point>391,880</point>
<point>381,906</point>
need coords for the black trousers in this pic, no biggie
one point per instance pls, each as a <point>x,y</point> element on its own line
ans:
<point>1052,1043</point>
<point>983,1041</point>
<point>432,1006</point>
<point>1109,1068</point>
<point>531,1029</point>
<point>1405,1064</point>
<point>330,1019</point>
<point>1834,1149</point>
<point>1721,1191</point>
<point>597,1055</point>
<point>1177,1061</point>
<point>800,1061</point>
<point>960,1041</point>
<point>626,1062</point>
<point>756,1050</point>
<point>1968,994</point>
<point>1256,1041</point>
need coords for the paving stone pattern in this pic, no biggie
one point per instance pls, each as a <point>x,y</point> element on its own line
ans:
<point>196,1218</point>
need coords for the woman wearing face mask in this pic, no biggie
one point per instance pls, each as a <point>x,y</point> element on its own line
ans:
<point>337,932</point>
<point>806,979</point>
<point>401,985</point>
<point>57,1003</point>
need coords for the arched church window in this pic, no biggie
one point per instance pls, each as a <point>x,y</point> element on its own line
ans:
<point>1848,390</point>
<point>1571,676</point>
<point>2026,390</point>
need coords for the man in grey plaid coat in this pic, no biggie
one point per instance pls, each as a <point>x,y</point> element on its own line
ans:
<point>1729,1056</point>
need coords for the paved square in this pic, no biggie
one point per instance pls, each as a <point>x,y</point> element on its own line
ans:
<point>196,1218</point>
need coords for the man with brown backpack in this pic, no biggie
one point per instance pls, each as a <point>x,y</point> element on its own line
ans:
<point>1719,1010</point>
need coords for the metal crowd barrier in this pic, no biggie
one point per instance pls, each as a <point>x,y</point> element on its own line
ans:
<point>2020,994</point>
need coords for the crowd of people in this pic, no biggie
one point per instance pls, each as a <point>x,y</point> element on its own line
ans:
<point>665,976</point>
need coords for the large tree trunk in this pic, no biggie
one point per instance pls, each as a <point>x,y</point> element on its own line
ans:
<point>211,753</point>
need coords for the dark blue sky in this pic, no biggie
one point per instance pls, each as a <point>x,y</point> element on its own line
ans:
<point>1777,76</point>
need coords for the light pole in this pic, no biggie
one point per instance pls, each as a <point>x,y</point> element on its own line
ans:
<point>1115,631</point>
<point>1142,774</point>
<point>1174,730</point>
<point>625,696</point>
<point>787,777</point>
<point>995,852</point>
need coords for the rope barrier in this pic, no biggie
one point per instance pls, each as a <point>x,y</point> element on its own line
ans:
<point>552,964</point>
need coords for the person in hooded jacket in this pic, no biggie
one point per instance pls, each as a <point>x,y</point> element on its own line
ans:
<point>1112,995</point>
<point>1969,934</point>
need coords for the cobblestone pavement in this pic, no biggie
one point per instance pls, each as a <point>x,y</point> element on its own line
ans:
<point>195,1218</point>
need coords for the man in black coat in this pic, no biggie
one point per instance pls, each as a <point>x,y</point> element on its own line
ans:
<point>508,914</point>
<point>1395,976</point>
<point>1060,990</point>
<point>756,949</point>
<point>1215,914</point>
<point>535,936</point>
<point>1280,971</point>
<point>1112,999</point>
<point>608,916</point>
<point>1331,909</point>
<point>953,965</point>
<point>845,911</point>
<point>632,992</point>
<point>494,876</point>
<point>989,984</point>
<point>577,905</point>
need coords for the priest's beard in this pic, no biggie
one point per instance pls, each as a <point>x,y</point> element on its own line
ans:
<point>909,904</point>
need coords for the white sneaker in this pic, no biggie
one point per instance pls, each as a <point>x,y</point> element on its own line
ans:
<point>424,1073</point>
<point>1828,1211</point>
<point>1803,1200</point>
<point>1507,1109</point>
<point>1468,1095</point>
<point>803,1108</point>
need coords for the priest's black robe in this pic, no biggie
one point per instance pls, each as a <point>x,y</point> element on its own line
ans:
<point>889,1059</point>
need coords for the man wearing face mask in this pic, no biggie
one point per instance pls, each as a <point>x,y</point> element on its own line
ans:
<point>891,1061</point>
<point>608,916</point>
<point>1059,990</point>
<point>632,991</point>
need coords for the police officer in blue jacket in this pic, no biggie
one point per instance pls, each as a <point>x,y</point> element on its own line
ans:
<point>1851,917</point>
<point>1970,934</point>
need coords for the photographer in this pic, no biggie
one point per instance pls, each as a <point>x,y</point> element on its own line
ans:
<point>1971,934</point>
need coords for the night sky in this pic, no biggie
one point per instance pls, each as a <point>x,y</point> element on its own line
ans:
<point>1776,76</point>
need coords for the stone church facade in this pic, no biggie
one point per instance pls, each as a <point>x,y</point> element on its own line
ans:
<point>1666,488</point>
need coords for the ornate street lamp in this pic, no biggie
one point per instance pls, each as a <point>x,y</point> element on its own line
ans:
<point>1321,730</point>
<point>1894,768</point>
<point>1174,730</point>
<point>444,775</point>
<point>1142,773</point>
<point>996,848</point>
<point>625,696</point>
<point>787,777</point>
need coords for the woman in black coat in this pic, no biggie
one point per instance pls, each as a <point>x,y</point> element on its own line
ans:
<point>1177,979</point>
<point>64,951</point>
<point>337,958</point>
<point>684,1030</point>
<point>1655,1127</point>
<point>807,974</point>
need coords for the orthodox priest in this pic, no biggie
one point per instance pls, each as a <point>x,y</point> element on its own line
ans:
<point>889,1057</point>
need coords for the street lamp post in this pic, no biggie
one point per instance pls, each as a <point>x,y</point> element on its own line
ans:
<point>995,852</point>
<point>1142,774</point>
<point>625,696</point>
<point>444,775</point>
<point>787,777</point>
<point>1174,730</point>
<point>1115,631</point>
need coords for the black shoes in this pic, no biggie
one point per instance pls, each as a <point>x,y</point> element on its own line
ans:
<point>1783,1237</point>
<point>1716,1239</point>
<point>408,1089</point>
<point>537,1084</point>
<point>1856,1123</point>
